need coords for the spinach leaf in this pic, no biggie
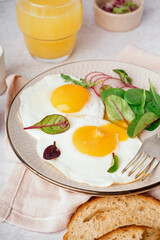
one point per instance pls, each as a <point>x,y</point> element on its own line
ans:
<point>117,109</point>
<point>152,107</point>
<point>113,91</point>
<point>155,96</point>
<point>123,75</point>
<point>135,96</point>
<point>141,122</point>
<point>154,125</point>
<point>114,166</point>
<point>135,109</point>
<point>82,82</point>
<point>141,107</point>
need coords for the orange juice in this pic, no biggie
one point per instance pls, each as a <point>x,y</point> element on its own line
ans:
<point>50,26</point>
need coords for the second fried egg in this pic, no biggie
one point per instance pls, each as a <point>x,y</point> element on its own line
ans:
<point>86,151</point>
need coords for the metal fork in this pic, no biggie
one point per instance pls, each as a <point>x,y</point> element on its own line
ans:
<point>146,159</point>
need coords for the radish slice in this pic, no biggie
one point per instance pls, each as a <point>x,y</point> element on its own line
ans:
<point>91,75</point>
<point>129,86</point>
<point>96,89</point>
<point>98,86</point>
<point>99,79</point>
<point>104,82</point>
<point>114,83</point>
<point>106,79</point>
<point>94,78</point>
<point>125,88</point>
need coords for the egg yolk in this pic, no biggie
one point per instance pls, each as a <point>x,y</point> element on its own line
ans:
<point>98,141</point>
<point>70,98</point>
<point>120,123</point>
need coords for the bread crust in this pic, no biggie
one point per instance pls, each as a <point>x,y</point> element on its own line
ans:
<point>101,215</point>
<point>120,230</point>
<point>144,232</point>
<point>151,234</point>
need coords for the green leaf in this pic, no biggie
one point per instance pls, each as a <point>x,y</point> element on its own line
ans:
<point>113,91</point>
<point>115,164</point>
<point>155,96</point>
<point>141,107</point>
<point>123,75</point>
<point>52,124</point>
<point>104,88</point>
<point>141,122</point>
<point>135,109</point>
<point>124,9</point>
<point>152,107</point>
<point>135,96</point>
<point>118,109</point>
<point>154,125</point>
<point>131,4</point>
<point>82,81</point>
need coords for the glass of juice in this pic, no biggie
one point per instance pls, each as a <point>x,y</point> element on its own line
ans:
<point>49,27</point>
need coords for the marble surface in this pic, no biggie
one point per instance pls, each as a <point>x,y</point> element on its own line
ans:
<point>93,43</point>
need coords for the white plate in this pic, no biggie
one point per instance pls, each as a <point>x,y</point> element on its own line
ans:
<point>24,145</point>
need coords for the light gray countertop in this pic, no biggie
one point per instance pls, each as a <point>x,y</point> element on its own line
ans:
<point>93,43</point>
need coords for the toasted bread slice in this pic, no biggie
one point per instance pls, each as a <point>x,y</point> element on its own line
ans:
<point>102,215</point>
<point>133,233</point>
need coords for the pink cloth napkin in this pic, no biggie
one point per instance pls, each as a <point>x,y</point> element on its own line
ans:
<point>30,202</point>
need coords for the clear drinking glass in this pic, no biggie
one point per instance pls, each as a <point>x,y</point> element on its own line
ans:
<point>49,27</point>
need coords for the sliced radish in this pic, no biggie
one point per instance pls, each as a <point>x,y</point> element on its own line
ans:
<point>106,79</point>
<point>130,86</point>
<point>104,82</point>
<point>96,88</point>
<point>94,78</point>
<point>91,75</point>
<point>99,79</point>
<point>125,88</point>
<point>114,83</point>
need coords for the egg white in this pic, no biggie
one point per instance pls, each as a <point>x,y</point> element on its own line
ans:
<point>35,101</point>
<point>82,167</point>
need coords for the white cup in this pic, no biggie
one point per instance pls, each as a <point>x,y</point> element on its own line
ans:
<point>3,85</point>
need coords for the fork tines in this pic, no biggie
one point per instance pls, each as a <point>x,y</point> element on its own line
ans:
<point>142,162</point>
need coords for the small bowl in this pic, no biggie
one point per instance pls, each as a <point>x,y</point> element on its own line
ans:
<point>118,22</point>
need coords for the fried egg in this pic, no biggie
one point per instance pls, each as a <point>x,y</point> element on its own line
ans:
<point>86,151</point>
<point>52,95</point>
<point>87,147</point>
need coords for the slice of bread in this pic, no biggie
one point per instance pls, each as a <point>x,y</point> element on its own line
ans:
<point>102,215</point>
<point>133,233</point>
